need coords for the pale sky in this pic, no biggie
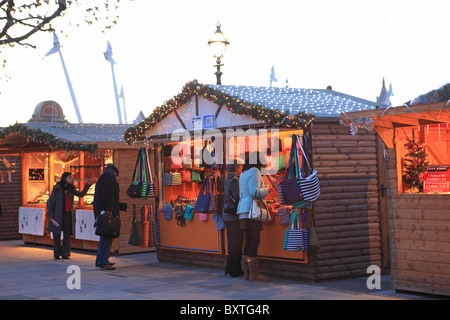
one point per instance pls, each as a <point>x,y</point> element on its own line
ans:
<point>161,45</point>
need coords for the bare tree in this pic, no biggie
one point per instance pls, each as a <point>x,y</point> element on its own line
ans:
<point>21,19</point>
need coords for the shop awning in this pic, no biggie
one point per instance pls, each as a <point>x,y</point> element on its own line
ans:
<point>385,120</point>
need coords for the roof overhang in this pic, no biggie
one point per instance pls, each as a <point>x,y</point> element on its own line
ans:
<point>385,120</point>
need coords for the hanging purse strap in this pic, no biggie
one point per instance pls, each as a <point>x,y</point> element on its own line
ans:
<point>148,164</point>
<point>304,155</point>
<point>142,165</point>
<point>135,169</point>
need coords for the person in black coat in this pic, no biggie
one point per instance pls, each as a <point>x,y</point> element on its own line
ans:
<point>60,213</point>
<point>106,198</point>
<point>235,236</point>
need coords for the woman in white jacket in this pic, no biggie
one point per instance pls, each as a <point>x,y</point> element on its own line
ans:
<point>251,186</point>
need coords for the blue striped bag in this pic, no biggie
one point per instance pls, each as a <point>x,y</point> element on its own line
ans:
<point>294,236</point>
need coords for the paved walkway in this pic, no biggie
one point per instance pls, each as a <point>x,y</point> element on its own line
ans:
<point>29,272</point>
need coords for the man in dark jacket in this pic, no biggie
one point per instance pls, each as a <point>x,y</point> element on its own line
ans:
<point>106,198</point>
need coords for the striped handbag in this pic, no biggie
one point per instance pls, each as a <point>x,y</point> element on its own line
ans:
<point>294,236</point>
<point>283,215</point>
<point>309,185</point>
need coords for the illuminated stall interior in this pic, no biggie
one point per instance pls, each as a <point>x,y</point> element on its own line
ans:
<point>35,154</point>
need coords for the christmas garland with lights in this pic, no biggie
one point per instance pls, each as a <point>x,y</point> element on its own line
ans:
<point>274,118</point>
<point>47,138</point>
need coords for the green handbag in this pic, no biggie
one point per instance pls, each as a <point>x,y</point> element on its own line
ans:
<point>195,177</point>
<point>280,162</point>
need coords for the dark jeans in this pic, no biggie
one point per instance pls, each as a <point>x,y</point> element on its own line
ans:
<point>252,230</point>
<point>66,227</point>
<point>104,250</point>
<point>235,239</point>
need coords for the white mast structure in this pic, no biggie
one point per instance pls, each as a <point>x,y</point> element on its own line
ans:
<point>108,56</point>
<point>122,95</point>
<point>272,76</point>
<point>56,48</point>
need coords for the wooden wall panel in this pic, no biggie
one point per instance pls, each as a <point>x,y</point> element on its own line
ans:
<point>420,238</point>
<point>346,214</point>
<point>10,199</point>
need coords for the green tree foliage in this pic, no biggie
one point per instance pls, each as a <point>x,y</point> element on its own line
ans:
<point>415,163</point>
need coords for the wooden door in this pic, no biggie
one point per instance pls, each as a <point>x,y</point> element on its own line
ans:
<point>383,204</point>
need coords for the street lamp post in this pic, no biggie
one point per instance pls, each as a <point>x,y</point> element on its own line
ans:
<point>218,44</point>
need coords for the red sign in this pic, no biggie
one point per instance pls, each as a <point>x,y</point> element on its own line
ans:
<point>437,179</point>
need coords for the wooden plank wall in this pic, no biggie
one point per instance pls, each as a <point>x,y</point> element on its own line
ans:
<point>10,199</point>
<point>125,160</point>
<point>420,238</point>
<point>346,214</point>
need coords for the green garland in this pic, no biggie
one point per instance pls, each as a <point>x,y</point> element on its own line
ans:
<point>48,138</point>
<point>234,104</point>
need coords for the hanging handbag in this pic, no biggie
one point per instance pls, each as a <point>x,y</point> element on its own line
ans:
<point>280,193</point>
<point>203,199</point>
<point>314,244</point>
<point>217,218</point>
<point>283,215</point>
<point>167,209</point>
<point>135,188</point>
<point>195,176</point>
<point>185,176</point>
<point>258,210</point>
<point>309,184</point>
<point>280,162</point>
<point>107,225</point>
<point>294,236</point>
<point>136,230</point>
<point>188,213</point>
<point>291,188</point>
<point>150,183</point>
<point>212,203</point>
<point>203,216</point>
<point>176,179</point>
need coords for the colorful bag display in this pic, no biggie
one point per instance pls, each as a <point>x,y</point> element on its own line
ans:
<point>142,185</point>
<point>291,191</point>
